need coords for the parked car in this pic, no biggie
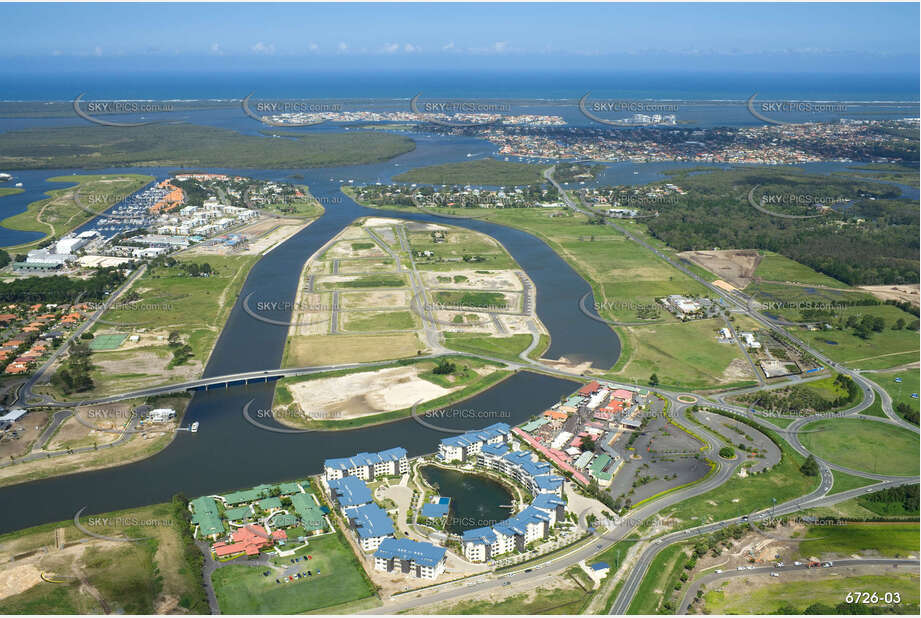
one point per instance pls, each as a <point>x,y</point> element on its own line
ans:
<point>775,574</point>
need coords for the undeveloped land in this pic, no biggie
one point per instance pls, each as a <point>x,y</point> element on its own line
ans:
<point>903,293</point>
<point>735,266</point>
<point>361,394</point>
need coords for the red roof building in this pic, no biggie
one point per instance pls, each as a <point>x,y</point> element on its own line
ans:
<point>590,388</point>
<point>249,540</point>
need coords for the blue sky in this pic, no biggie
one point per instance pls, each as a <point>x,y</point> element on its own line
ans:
<point>839,37</point>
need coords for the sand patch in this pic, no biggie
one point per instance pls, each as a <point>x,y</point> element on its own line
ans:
<point>471,279</point>
<point>18,579</point>
<point>361,394</point>
<point>902,293</point>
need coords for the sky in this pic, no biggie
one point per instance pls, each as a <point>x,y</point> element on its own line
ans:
<point>819,37</point>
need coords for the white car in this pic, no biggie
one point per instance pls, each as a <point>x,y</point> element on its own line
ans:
<point>718,571</point>
<point>775,574</point>
<point>797,563</point>
<point>750,568</point>
<point>741,568</point>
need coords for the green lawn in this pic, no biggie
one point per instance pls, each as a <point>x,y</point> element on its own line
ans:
<point>485,300</point>
<point>769,596</point>
<point>870,446</point>
<point>900,392</point>
<point>844,482</point>
<point>775,267</point>
<point>378,320</point>
<point>659,582</point>
<point>449,253</point>
<point>499,347</point>
<point>365,281</point>
<point>242,589</point>
<point>891,540</point>
<point>684,355</point>
<point>540,601</point>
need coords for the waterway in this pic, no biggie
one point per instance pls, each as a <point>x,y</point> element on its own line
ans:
<point>476,501</point>
<point>229,453</point>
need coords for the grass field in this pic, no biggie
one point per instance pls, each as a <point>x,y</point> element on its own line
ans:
<point>888,348</point>
<point>480,172</point>
<point>769,596</point>
<point>499,347</point>
<point>364,281</point>
<point>865,445</point>
<point>379,320</point>
<point>325,350</point>
<point>338,578</point>
<point>884,539</point>
<point>844,482</point>
<point>659,582</point>
<point>774,267</point>
<point>684,355</point>
<point>59,213</point>
<point>491,300</point>
<point>900,392</point>
<point>543,600</point>
<point>458,243</point>
<point>148,577</point>
<point>4,191</point>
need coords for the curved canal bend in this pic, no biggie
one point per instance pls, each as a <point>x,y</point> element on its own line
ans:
<point>229,453</point>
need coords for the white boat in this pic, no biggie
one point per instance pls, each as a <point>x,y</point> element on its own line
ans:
<point>5,177</point>
<point>18,184</point>
<point>194,427</point>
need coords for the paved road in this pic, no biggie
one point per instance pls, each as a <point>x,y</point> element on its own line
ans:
<point>691,592</point>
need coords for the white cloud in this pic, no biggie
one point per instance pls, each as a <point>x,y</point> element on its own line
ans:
<point>97,51</point>
<point>448,47</point>
<point>313,47</point>
<point>215,48</point>
<point>410,48</point>
<point>391,48</point>
<point>500,46</point>
<point>262,48</point>
<point>342,47</point>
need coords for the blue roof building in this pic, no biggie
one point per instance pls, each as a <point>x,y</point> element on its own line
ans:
<point>459,447</point>
<point>389,462</point>
<point>408,556</point>
<point>371,523</point>
<point>349,491</point>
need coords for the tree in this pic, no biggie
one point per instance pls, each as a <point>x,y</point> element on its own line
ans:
<point>588,444</point>
<point>727,452</point>
<point>653,380</point>
<point>810,467</point>
<point>173,338</point>
<point>444,367</point>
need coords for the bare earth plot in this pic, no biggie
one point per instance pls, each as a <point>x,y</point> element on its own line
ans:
<point>903,293</point>
<point>737,266</point>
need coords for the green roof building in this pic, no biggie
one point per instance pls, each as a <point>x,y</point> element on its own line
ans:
<point>535,424</point>
<point>206,516</point>
<point>248,495</point>
<point>309,511</point>
<point>284,520</point>
<point>240,512</point>
<point>289,488</point>
<point>270,503</point>
<point>600,463</point>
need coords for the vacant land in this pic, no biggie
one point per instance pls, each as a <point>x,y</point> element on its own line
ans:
<point>480,172</point>
<point>60,213</point>
<point>500,347</point>
<point>762,594</point>
<point>156,576</point>
<point>337,578</point>
<point>871,446</point>
<point>339,349</point>
<point>734,266</point>
<point>564,596</point>
<point>870,540</point>
<point>89,147</point>
<point>660,580</point>
<point>774,267</point>
<point>683,354</point>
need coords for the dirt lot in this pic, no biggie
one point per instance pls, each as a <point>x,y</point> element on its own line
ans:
<point>735,266</point>
<point>495,280</point>
<point>902,293</point>
<point>361,394</point>
<point>392,299</point>
<point>32,425</point>
<point>341,349</point>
